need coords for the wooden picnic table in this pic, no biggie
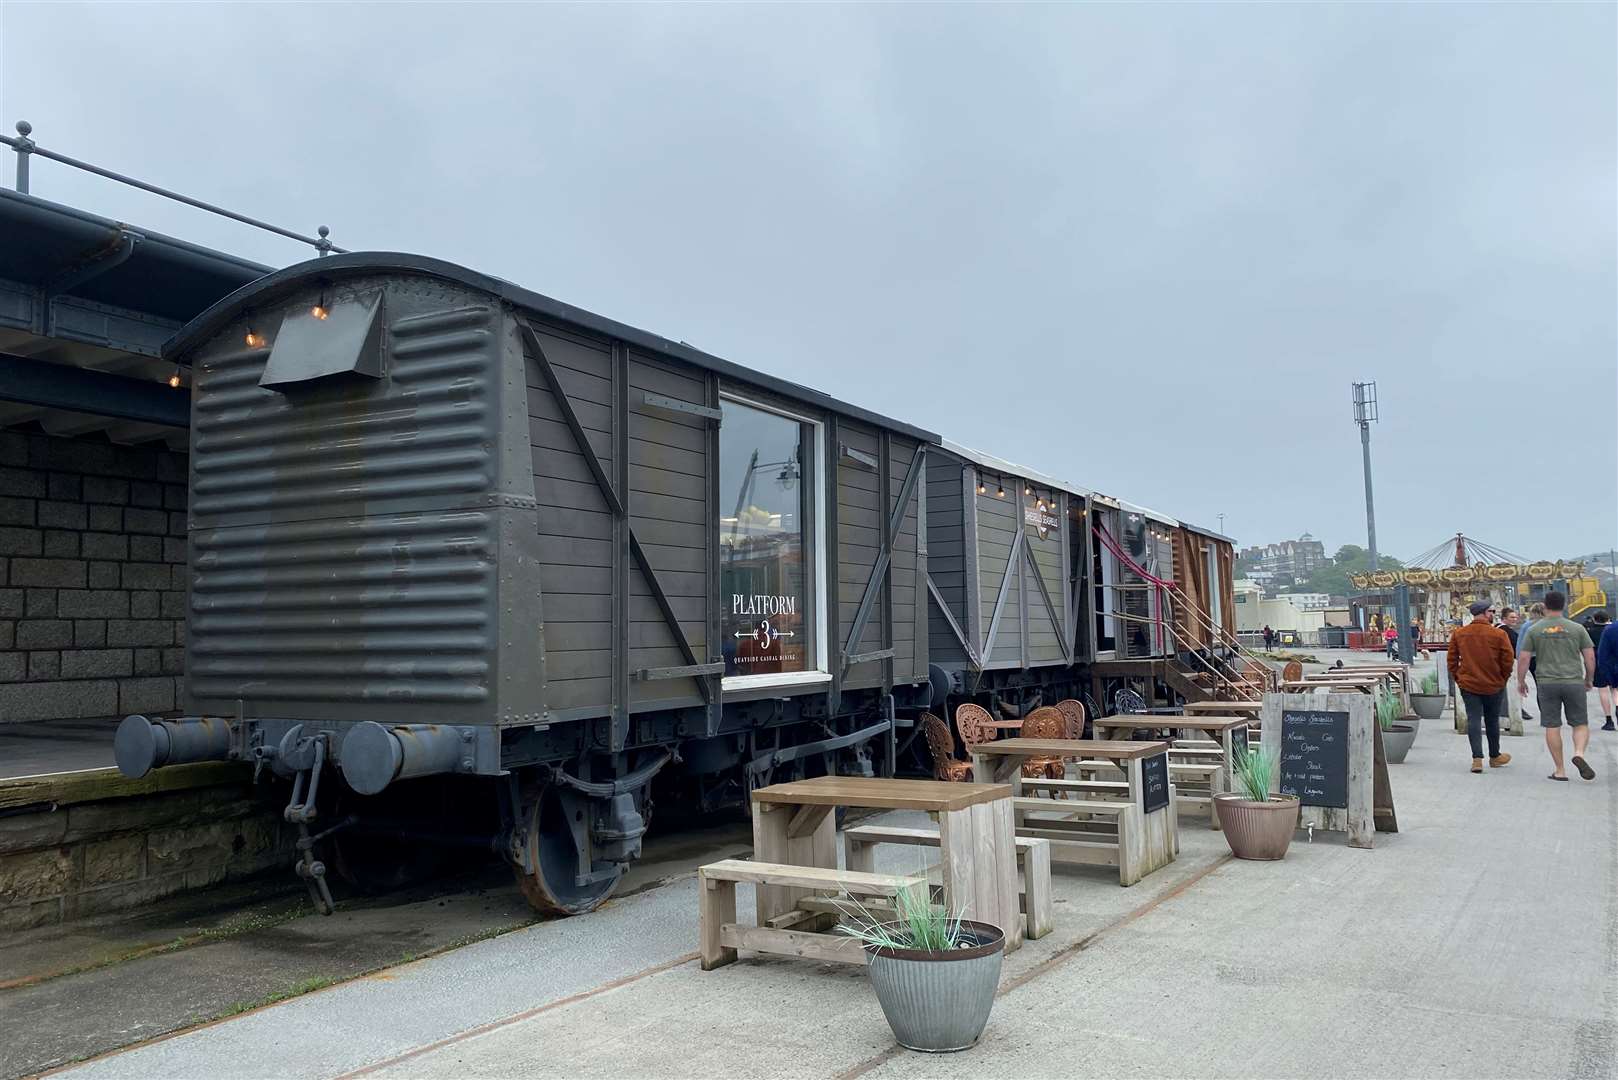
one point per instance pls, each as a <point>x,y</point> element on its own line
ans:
<point>793,823</point>
<point>1223,708</point>
<point>1304,686</point>
<point>1379,674</point>
<point>1398,674</point>
<point>1229,732</point>
<point>1132,825</point>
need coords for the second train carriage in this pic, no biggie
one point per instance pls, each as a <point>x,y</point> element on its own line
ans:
<point>1006,552</point>
<point>441,526</point>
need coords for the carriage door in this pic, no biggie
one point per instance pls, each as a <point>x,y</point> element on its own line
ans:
<point>1104,572</point>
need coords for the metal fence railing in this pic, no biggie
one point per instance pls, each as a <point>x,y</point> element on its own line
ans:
<point>27,148</point>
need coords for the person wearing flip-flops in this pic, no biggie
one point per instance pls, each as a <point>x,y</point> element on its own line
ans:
<point>1564,669</point>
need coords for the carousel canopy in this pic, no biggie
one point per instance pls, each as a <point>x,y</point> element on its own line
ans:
<point>1463,563</point>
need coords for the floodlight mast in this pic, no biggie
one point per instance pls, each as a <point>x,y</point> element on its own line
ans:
<point>1365,414</point>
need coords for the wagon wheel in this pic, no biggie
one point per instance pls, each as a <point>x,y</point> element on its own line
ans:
<point>549,881</point>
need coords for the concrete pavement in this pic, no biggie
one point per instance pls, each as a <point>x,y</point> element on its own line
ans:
<point>1480,941</point>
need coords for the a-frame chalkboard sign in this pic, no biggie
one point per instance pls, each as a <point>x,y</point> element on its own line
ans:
<point>1331,757</point>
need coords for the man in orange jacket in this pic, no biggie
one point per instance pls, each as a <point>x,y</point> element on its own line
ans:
<point>1480,661</point>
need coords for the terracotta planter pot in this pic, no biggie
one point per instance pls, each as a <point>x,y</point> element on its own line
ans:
<point>939,1001</point>
<point>1257,830</point>
<point>1428,706</point>
<point>1396,741</point>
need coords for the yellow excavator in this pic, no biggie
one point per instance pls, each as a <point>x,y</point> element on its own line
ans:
<point>1584,594</point>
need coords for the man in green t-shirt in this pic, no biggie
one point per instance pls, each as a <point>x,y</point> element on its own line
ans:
<point>1565,671</point>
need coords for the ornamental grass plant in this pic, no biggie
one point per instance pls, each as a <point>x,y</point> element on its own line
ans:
<point>1387,709</point>
<point>1256,771</point>
<point>918,923</point>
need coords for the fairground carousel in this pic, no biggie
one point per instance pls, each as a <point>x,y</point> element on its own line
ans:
<point>1447,578</point>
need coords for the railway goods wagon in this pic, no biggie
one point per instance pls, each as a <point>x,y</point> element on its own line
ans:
<point>1007,554</point>
<point>457,546</point>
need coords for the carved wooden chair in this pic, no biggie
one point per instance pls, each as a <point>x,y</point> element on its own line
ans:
<point>973,721</point>
<point>941,745</point>
<point>1044,723</point>
<point>1073,712</point>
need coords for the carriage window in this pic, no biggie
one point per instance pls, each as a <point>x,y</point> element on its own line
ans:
<point>767,543</point>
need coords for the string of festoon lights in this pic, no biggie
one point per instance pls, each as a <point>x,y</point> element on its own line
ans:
<point>255,340</point>
<point>1041,501</point>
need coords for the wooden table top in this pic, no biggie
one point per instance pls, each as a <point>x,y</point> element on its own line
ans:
<point>1340,680</point>
<point>1352,686</point>
<point>1189,723</point>
<point>1225,707</point>
<point>1116,749</point>
<point>1347,673</point>
<point>934,796</point>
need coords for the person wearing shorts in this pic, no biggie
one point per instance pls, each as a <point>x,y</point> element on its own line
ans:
<point>1564,669</point>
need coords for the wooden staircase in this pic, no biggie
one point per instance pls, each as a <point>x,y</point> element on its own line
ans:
<point>1189,684</point>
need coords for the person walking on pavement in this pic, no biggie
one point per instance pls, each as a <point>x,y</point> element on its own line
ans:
<point>1269,638</point>
<point>1536,610</point>
<point>1510,621</point>
<point>1391,637</point>
<point>1480,664</point>
<point>1604,632</point>
<point>1564,665</point>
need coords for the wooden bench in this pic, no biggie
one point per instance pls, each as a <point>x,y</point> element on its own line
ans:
<point>1092,832</point>
<point>1117,788</point>
<point>1206,776</point>
<point>1033,858</point>
<point>721,935</point>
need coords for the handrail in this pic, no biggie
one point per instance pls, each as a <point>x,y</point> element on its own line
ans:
<point>27,148</point>
<point>1219,637</point>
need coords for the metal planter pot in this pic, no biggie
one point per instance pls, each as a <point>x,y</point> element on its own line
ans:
<point>1258,830</point>
<point>1396,741</point>
<point>1428,706</point>
<point>935,1001</point>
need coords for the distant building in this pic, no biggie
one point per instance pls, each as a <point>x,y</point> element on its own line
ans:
<point>1297,625</point>
<point>1288,563</point>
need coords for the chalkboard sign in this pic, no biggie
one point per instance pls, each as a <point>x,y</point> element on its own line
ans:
<point>1154,774</point>
<point>1238,741</point>
<point>1314,757</point>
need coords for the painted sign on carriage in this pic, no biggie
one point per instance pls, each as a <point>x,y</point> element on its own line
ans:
<point>1041,517</point>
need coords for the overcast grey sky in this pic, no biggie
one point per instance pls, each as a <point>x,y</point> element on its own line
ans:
<point>1145,248</point>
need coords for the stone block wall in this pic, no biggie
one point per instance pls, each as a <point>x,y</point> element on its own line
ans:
<point>92,578</point>
<point>87,845</point>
